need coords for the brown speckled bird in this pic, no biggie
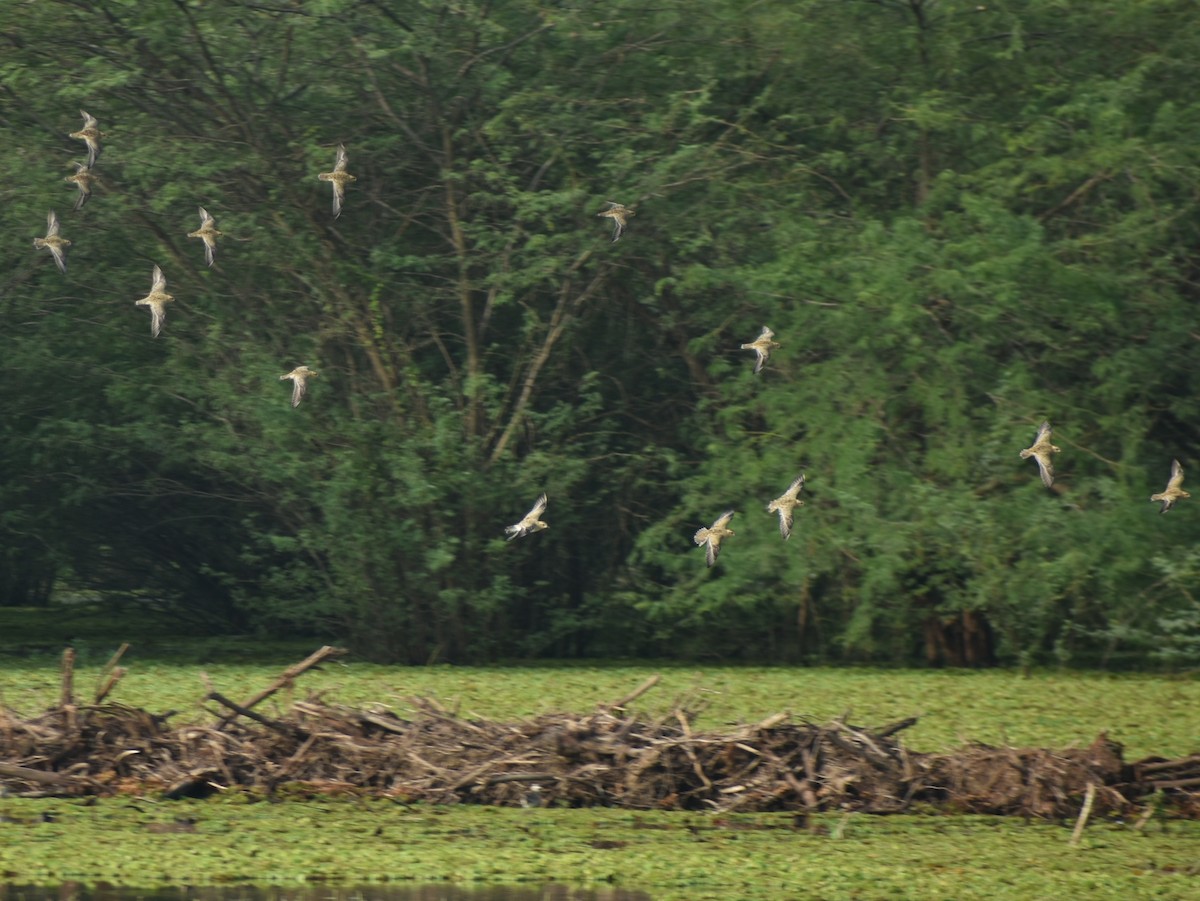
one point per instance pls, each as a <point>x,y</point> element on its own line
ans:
<point>90,134</point>
<point>531,522</point>
<point>339,178</point>
<point>53,242</point>
<point>1040,450</point>
<point>299,376</point>
<point>1172,492</point>
<point>762,345</point>
<point>786,504</point>
<point>82,179</point>
<point>710,538</point>
<point>157,301</point>
<point>619,214</point>
<point>207,232</point>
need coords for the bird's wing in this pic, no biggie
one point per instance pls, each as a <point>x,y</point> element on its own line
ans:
<point>158,281</point>
<point>339,195</point>
<point>539,507</point>
<point>205,219</point>
<point>785,521</point>
<point>1045,468</point>
<point>722,520</point>
<point>797,485</point>
<point>342,159</point>
<point>712,547</point>
<point>1043,432</point>
<point>298,388</point>
<point>766,333</point>
<point>89,121</point>
<point>1176,476</point>
<point>51,224</point>
<point>60,256</point>
<point>210,247</point>
<point>761,359</point>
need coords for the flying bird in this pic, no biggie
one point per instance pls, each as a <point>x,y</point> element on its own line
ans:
<point>299,376</point>
<point>91,135</point>
<point>83,179</point>
<point>53,242</point>
<point>710,538</point>
<point>1040,450</point>
<point>1172,492</point>
<point>207,232</point>
<point>340,178</point>
<point>762,345</point>
<point>786,504</point>
<point>619,214</point>
<point>157,301</point>
<point>531,522</point>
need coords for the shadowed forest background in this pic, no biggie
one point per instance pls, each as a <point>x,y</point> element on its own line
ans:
<point>960,219</point>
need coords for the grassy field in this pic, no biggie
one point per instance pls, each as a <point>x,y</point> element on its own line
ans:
<point>143,842</point>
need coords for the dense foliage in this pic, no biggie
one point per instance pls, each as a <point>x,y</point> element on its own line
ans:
<point>960,219</point>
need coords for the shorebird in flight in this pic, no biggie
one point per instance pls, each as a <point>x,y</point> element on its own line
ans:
<point>339,177</point>
<point>531,522</point>
<point>786,504</point>
<point>1172,492</point>
<point>619,214</point>
<point>82,179</point>
<point>1040,450</point>
<point>53,242</point>
<point>157,301</point>
<point>299,376</point>
<point>90,134</point>
<point>762,346</point>
<point>710,538</point>
<point>207,232</point>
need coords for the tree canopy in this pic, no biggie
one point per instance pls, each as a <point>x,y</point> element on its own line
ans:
<point>959,219</point>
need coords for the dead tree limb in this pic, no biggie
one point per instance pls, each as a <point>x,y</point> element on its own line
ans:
<point>285,679</point>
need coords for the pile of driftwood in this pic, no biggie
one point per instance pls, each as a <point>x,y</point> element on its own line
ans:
<point>610,757</point>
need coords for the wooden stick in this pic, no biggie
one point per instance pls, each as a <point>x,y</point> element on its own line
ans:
<point>284,679</point>
<point>1145,815</point>
<point>687,749</point>
<point>770,722</point>
<point>521,777</point>
<point>896,727</point>
<point>113,673</point>
<point>67,698</point>
<point>1167,764</point>
<point>116,658</point>
<point>110,683</point>
<point>1088,798</point>
<point>24,772</point>
<point>637,692</point>
<point>285,728</point>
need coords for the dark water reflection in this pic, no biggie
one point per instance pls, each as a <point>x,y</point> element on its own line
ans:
<point>77,892</point>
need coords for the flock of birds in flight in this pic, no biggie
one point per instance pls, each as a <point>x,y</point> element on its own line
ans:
<point>709,537</point>
<point>158,298</point>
